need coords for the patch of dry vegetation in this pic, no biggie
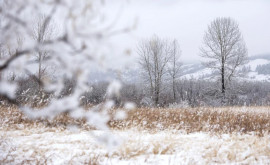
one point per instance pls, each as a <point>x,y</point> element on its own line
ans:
<point>220,120</point>
<point>12,118</point>
<point>216,120</point>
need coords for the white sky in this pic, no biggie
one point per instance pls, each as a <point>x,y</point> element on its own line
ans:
<point>186,21</point>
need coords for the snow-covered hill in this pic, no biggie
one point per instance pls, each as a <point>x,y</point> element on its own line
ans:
<point>258,69</point>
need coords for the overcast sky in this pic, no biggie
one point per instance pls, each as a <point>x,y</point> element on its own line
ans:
<point>187,20</point>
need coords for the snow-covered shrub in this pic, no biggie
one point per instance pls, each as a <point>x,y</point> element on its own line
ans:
<point>182,104</point>
<point>148,102</point>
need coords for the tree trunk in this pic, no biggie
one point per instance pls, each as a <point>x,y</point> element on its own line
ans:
<point>157,97</point>
<point>157,92</point>
<point>39,71</point>
<point>174,94</point>
<point>223,80</point>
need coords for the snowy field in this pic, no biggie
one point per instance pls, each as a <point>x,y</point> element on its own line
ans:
<point>43,146</point>
<point>148,136</point>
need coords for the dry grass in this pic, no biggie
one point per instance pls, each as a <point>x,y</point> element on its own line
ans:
<point>137,147</point>
<point>13,118</point>
<point>216,120</point>
<point>219,120</point>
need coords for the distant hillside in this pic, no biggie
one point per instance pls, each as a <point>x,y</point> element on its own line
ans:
<point>261,56</point>
<point>258,69</point>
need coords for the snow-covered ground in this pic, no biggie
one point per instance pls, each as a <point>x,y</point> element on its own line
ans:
<point>54,146</point>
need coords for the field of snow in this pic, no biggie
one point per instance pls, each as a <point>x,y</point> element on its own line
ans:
<point>229,135</point>
<point>43,146</point>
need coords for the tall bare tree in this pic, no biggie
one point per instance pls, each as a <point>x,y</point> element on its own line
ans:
<point>42,31</point>
<point>154,54</point>
<point>175,67</point>
<point>225,48</point>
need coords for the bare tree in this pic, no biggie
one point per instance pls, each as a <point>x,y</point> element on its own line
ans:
<point>175,68</point>
<point>42,32</point>
<point>225,48</point>
<point>155,54</point>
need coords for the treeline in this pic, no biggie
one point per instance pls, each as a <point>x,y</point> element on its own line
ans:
<point>188,93</point>
<point>263,69</point>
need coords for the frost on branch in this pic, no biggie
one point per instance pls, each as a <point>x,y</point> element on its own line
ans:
<point>80,42</point>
